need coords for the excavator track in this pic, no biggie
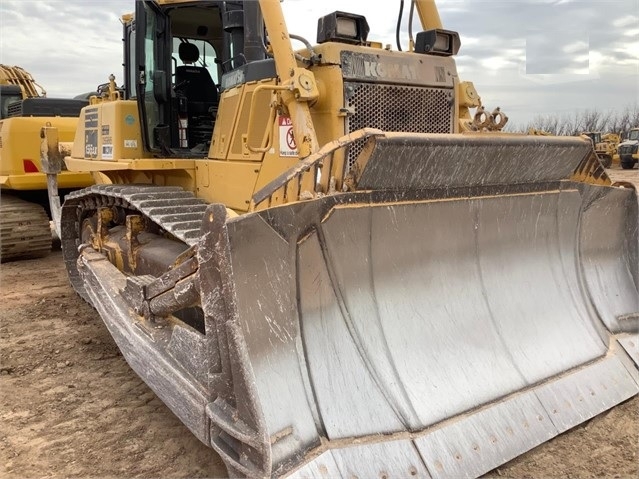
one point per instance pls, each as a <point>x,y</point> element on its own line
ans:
<point>172,209</point>
<point>24,230</point>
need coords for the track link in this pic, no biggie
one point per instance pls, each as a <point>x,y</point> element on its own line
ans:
<point>171,208</point>
<point>24,230</point>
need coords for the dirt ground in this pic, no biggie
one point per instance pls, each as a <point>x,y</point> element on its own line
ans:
<point>71,407</point>
<point>69,404</point>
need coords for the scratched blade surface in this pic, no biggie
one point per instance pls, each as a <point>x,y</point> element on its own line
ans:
<point>424,311</point>
<point>611,257</point>
<point>631,344</point>
<point>399,458</point>
<point>476,443</point>
<point>387,317</point>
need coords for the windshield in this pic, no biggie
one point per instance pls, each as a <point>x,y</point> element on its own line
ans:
<point>594,137</point>
<point>206,59</point>
<point>633,135</point>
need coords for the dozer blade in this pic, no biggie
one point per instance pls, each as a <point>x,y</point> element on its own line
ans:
<point>438,329</point>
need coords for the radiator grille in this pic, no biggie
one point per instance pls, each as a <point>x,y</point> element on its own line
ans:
<point>14,109</point>
<point>397,108</point>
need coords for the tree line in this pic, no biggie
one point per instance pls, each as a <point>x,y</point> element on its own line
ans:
<point>581,121</point>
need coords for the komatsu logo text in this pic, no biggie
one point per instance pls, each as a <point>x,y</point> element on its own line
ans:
<point>391,71</point>
<point>390,68</point>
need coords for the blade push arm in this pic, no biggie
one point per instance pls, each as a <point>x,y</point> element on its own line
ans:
<point>300,87</point>
<point>428,14</point>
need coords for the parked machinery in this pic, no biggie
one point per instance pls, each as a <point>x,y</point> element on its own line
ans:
<point>605,149</point>
<point>629,149</point>
<point>611,144</point>
<point>24,110</point>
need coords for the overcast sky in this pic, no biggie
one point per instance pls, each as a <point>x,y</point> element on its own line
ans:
<point>531,57</point>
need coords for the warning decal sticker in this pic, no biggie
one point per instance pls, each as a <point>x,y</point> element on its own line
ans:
<point>288,147</point>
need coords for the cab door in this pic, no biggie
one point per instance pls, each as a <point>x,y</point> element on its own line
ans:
<point>153,86</point>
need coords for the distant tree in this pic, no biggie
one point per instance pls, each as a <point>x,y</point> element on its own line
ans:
<point>585,120</point>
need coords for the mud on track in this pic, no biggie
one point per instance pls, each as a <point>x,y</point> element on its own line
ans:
<point>71,407</point>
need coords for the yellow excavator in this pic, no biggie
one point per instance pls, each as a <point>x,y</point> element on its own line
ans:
<point>327,265</point>
<point>24,109</point>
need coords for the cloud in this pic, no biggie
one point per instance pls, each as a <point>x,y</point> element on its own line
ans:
<point>627,21</point>
<point>70,46</point>
<point>576,47</point>
<point>568,75</point>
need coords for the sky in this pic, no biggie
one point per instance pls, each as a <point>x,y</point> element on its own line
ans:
<point>530,57</point>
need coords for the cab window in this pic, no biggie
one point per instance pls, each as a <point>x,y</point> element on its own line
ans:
<point>206,58</point>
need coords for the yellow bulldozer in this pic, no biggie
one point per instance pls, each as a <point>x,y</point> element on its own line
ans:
<point>605,146</point>
<point>24,109</point>
<point>610,144</point>
<point>535,131</point>
<point>327,265</point>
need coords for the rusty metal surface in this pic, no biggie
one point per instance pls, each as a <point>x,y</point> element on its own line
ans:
<point>168,207</point>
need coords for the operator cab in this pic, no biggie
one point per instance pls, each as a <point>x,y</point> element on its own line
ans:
<point>175,56</point>
<point>595,137</point>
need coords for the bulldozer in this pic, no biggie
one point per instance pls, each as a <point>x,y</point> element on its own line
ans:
<point>328,260</point>
<point>25,231</point>
<point>535,131</point>
<point>604,148</point>
<point>611,146</point>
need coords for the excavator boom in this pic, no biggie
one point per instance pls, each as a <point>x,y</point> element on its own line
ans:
<point>14,75</point>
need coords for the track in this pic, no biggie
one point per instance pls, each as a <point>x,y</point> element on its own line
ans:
<point>24,230</point>
<point>174,210</point>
